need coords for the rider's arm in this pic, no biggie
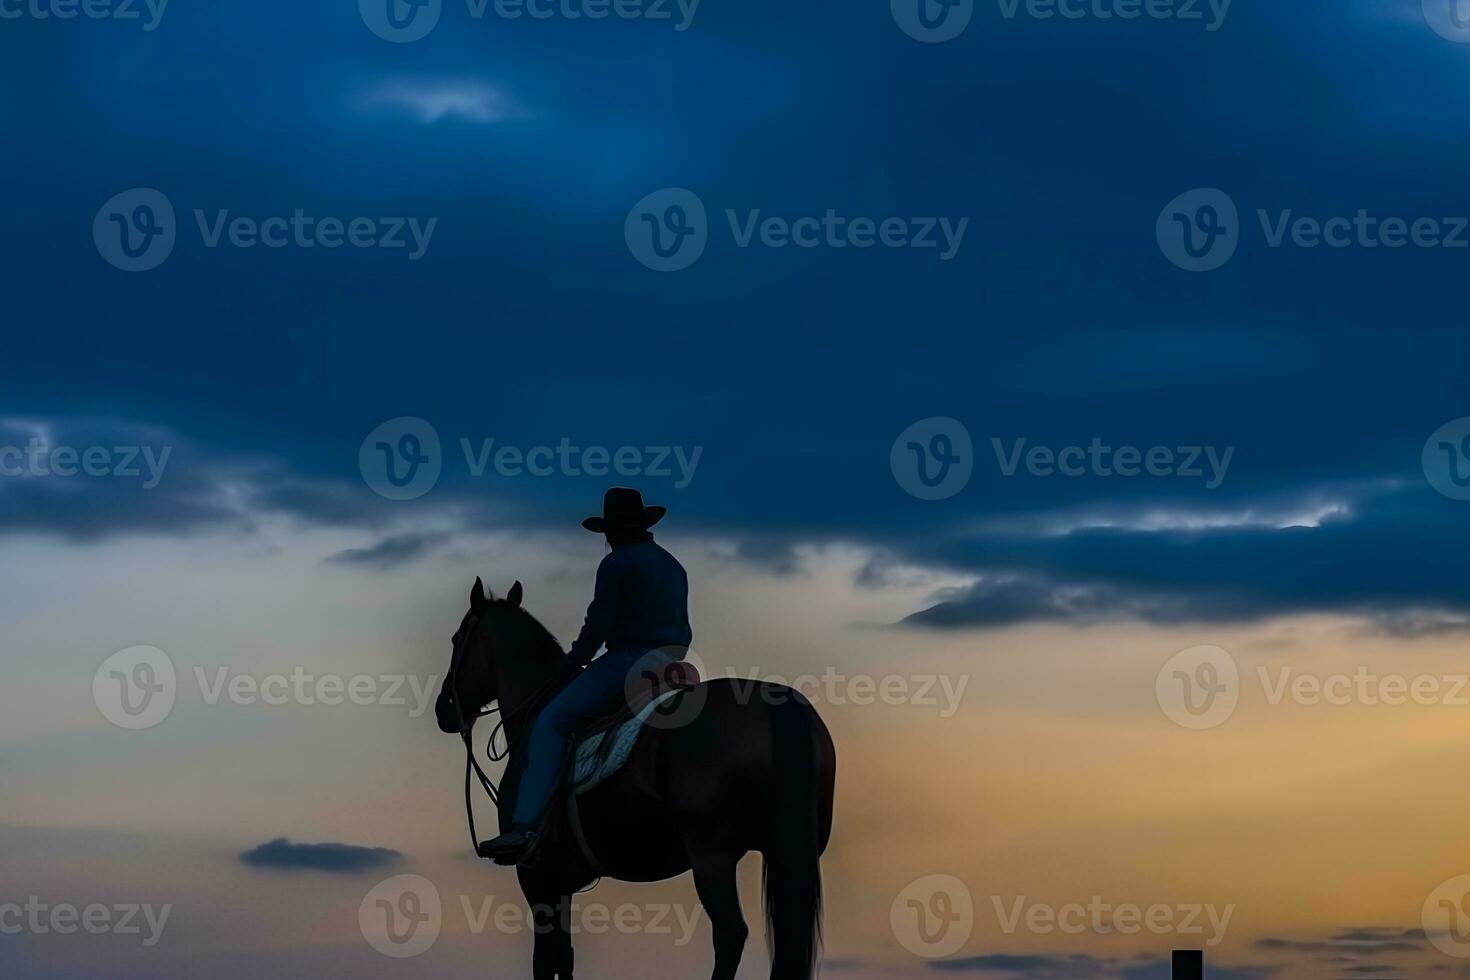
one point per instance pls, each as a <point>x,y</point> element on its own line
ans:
<point>601,614</point>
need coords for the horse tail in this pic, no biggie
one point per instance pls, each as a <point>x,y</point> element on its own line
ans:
<point>791,878</point>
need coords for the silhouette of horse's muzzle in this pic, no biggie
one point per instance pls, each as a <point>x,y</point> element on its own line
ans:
<point>446,714</point>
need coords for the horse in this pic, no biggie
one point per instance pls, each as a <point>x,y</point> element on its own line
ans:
<point>751,767</point>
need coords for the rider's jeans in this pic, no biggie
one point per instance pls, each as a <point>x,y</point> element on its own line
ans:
<point>584,700</point>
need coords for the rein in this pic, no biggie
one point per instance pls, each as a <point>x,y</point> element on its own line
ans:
<point>466,731</point>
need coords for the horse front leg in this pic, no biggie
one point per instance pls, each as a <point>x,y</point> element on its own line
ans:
<point>551,923</point>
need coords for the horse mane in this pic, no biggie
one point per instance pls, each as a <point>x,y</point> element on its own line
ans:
<point>526,630</point>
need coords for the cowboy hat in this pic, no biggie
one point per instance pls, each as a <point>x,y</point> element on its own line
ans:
<point>622,507</point>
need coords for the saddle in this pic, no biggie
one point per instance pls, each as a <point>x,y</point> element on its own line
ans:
<point>604,747</point>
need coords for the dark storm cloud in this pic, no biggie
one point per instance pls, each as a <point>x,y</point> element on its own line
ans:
<point>1394,558</point>
<point>281,853</point>
<point>1058,321</point>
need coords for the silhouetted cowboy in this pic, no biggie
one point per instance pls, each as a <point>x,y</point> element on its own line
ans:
<point>641,604</point>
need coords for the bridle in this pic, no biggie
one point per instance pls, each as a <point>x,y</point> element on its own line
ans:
<point>466,730</point>
<point>467,726</point>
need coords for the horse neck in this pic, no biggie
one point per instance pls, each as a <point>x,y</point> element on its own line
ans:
<point>522,675</point>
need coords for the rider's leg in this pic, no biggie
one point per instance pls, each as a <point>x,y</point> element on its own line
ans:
<point>583,700</point>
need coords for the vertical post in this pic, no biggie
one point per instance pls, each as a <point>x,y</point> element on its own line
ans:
<point>1189,964</point>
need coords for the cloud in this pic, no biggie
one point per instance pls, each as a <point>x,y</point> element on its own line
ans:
<point>1372,939</point>
<point>1395,558</point>
<point>1025,965</point>
<point>1161,970</point>
<point>342,858</point>
<point>88,478</point>
<point>1039,966</point>
<point>392,551</point>
<point>430,101</point>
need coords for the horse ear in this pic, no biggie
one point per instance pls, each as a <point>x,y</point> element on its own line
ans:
<point>514,596</point>
<point>478,599</point>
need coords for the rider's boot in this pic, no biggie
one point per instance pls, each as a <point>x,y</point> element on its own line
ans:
<point>510,846</point>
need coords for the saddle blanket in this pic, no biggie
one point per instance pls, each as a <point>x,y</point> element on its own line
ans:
<point>603,754</point>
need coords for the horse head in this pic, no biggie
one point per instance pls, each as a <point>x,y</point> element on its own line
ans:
<point>471,683</point>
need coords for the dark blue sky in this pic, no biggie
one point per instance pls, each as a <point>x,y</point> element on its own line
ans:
<point>528,320</point>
